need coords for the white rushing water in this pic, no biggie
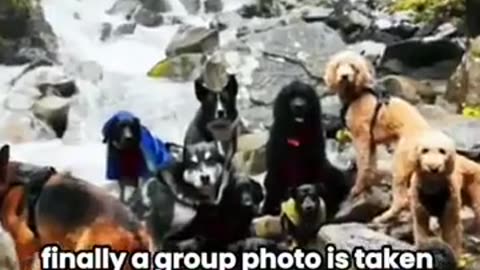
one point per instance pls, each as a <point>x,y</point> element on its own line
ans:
<point>164,106</point>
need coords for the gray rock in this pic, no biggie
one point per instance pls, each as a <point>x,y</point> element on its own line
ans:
<point>465,135</point>
<point>192,6</point>
<point>156,5</point>
<point>409,89</point>
<point>124,7</point>
<point>351,235</point>
<point>8,256</point>
<point>25,35</point>
<point>105,31</point>
<point>53,110</point>
<point>125,29</point>
<point>315,14</point>
<point>191,39</point>
<point>213,6</point>
<point>148,17</point>
<point>297,51</point>
<point>464,84</point>
<point>366,207</point>
<point>423,58</point>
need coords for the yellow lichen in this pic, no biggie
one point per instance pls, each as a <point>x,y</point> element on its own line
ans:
<point>428,10</point>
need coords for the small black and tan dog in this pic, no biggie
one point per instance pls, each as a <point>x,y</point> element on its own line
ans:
<point>303,214</point>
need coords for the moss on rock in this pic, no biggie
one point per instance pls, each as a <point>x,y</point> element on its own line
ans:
<point>428,10</point>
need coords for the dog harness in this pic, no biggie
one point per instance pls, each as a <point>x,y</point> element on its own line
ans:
<point>383,98</point>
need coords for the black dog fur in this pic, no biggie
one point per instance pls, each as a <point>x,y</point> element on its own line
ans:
<point>296,151</point>
<point>214,106</point>
<point>311,212</point>
<point>203,226</point>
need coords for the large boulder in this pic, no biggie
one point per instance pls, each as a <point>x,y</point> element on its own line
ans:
<point>348,236</point>
<point>464,84</point>
<point>296,51</point>
<point>191,39</point>
<point>43,92</point>
<point>25,35</point>
<point>423,58</point>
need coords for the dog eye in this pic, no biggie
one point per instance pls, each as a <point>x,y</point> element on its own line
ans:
<point>424,150</point>
<point>442,151</point>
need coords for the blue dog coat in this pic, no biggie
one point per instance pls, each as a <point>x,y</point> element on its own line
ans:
<point>152,153</point>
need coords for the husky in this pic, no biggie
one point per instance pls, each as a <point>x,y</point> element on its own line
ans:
<point>203,206</point>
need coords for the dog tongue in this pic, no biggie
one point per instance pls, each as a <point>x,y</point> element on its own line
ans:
<point>294,142</point>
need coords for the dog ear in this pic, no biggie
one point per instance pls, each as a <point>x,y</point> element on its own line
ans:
<point>330,75</point>
<point>108,129</point>
<point>232,85</point>
<point>200,90</point>
<point>137,127</point>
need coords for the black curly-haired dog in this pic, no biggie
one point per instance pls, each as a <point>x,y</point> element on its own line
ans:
<point>296,151</point>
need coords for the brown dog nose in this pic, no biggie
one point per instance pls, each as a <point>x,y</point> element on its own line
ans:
<point>434,168</point>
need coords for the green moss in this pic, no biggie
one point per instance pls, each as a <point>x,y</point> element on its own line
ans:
<point>19,6</point>
<point>428,10</point>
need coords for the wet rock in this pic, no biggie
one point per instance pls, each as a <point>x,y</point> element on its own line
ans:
<point>348,236</point>
<point>105,31</point>
<point>156,5</point>
<point>422,58</point>
<point>465,135</point>
<point>148,17</point>
<point>251,152</point>
<point>315,14</point>
<point>409,89</point>
<point>124,7</point>
<point>8,256</point>
<point>183,67</point>
<point>44,92</point>
<point>25,35</point>
<point>366,207</point>
<point>125,29</point>
<point>296,51</point>
<point>191,39</point>
<point>464,84</point>
<point>54,111</point>
<point>192,6</point>
<point>213,6</point>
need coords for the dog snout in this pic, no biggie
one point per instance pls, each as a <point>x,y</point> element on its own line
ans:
<point>247,200</point>
<point>308,205</point>
<point>434,168</point>
<point>205,179</point>
<point>220,113</point>
<point>127,134</point>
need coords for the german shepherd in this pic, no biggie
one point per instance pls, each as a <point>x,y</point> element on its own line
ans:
<point>40,206</point>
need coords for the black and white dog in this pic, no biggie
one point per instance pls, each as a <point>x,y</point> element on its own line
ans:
<point>217,118</point>
<point>204,207</point>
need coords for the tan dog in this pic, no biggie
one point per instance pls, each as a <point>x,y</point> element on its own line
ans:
<point>352,77</point>
<point>436,190</point>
